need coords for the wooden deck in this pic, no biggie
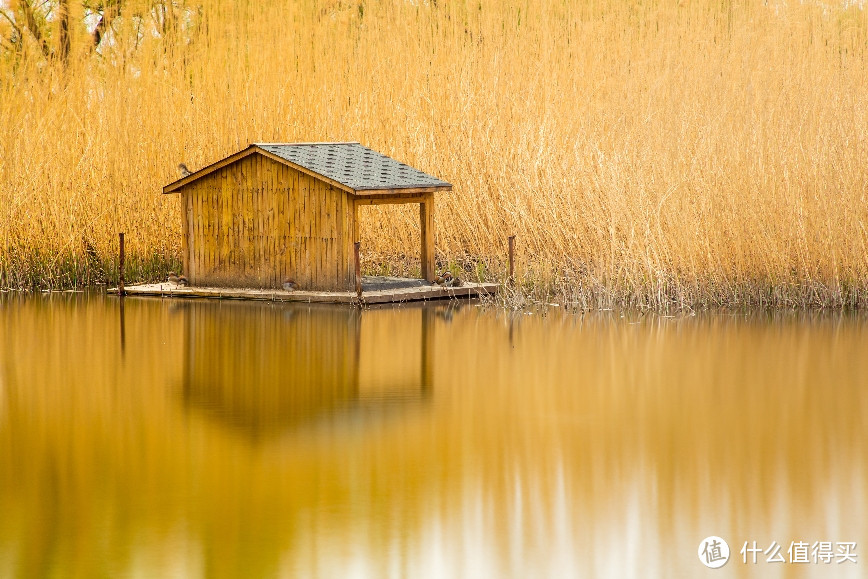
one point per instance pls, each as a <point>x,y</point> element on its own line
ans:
<point>375,291</point>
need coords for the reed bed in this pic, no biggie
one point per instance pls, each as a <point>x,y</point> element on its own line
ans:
<point>666,154</point>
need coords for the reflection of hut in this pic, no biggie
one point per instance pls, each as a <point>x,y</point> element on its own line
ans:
<point>265,368</point>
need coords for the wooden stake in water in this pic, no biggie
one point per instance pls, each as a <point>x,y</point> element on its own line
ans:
<point>511,240</point>
<point>121,266</point>
<point>356,247</point>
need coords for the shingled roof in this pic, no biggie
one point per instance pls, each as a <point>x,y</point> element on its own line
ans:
<point>353,165</point>
<point>350,166</point>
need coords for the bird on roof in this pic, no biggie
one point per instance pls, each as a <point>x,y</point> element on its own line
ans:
<point>290,285</point>
<point>172,277</point>
<point>182,281</point>
<point>184,171</point>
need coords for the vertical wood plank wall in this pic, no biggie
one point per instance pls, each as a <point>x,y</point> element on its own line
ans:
<point>256,223</point>
<point>185,233</point>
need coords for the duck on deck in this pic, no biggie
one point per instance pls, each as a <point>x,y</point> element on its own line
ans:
<point>281,221</point>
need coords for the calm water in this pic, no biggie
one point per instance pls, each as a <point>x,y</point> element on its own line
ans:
<point>220,439</point>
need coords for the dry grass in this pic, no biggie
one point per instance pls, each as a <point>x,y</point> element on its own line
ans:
<point>688,154</point>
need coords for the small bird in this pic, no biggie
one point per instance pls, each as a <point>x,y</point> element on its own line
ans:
<point>182,281</point>
<point>446,279</point>
<point>184,171</point>
<point>290,285</point>
<point>172,277</point>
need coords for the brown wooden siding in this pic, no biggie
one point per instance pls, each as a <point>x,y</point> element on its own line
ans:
<point>256,223</point>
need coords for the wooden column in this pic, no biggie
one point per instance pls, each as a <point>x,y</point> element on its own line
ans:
<point>511,243</point>
<point>426,220</point>
<point>358,269</point>
<point>356,220</point>
<point>121,258</point>
<point>354,246</point>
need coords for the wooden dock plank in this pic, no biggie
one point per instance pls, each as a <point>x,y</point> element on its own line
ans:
<point>468,290</point>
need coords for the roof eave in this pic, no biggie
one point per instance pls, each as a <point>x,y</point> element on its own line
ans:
<point>310,143</point>
<point>404,190</point>
<point>175,186</point>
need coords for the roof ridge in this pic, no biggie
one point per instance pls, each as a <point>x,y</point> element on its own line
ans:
<point>309,143</point>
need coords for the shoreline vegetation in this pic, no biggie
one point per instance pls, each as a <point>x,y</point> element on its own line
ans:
<point>664,155</point>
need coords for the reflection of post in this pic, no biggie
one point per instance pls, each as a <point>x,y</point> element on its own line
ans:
<point>427,370</point>
<point>123,327</point>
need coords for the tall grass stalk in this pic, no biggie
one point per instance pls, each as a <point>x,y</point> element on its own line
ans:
<point>662,154</point>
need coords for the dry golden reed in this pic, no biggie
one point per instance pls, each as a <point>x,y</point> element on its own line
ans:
<point>655,154</point>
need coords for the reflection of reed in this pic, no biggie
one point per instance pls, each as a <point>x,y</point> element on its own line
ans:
<point>591,447</point>
<point>627,442</point>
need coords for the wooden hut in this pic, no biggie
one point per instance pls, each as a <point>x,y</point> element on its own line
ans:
<point>274,212</point>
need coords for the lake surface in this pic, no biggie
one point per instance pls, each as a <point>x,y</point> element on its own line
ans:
<point>229,439</point>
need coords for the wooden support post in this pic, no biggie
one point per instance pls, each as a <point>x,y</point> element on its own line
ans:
<point>356,247</point>
<point>511,242</point>
<point>356,220</point>
<point>426,221</point>
<point>121,266</point>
